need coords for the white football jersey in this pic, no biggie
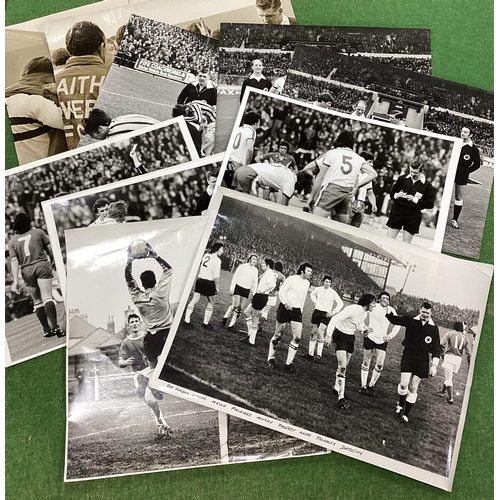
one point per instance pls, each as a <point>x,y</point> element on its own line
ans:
<point>343,165</point>
<point>242,147</point>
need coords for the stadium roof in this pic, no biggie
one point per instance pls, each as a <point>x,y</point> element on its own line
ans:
<point>367,246</point>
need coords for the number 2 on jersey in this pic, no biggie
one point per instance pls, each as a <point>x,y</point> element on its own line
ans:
<point>26,239</point>
<point>205,260</point>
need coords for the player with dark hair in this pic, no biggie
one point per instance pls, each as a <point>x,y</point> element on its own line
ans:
<point>256,80</point>
<point>242,147</point>
<point>421,339</point>
<point>411,193</point>
<point>454,344</point>
<point>343,327</point>
<point>292,294</point>
<point>28,250</point>
<point>470,161</point>
<point>431,127</point>
<point>132,354</point>
<point>271,12</point>
<point>207,285</point>
<point>35,117</point>
<point>202,90</point>
<point>99,125</point>
<point>59,58</point>
<point>152,302</point>
<point>118,211</point>
<point>203,201</point>
<point>253,312</point>
<point>377,340</point>
<point>281,156</point>
<point>101,209</point>
<point>79,83</point>
<point>327,303</point>
<point>341,178</point>
<point>243,287</point>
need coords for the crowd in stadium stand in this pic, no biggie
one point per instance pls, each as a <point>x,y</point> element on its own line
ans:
<point>311,134</point>
<point>169,45</point>
<point>391,41</point>
<point>441,93</point>
<point>417,64</point>
<point>305,89</point>
<point>243,234</point>
<point>239,65</point>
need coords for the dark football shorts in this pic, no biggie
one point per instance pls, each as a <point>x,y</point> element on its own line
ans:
<point>205,287</point>
<point>343,341</point>
<point>40,270</point>
<point>242,292</point>
<point>404,218</point>
<point>283,315</point>
<point>335,197</point>
<point>319,317</point>
<point>418,365</point>
<point>462,175</point>
<point>154,342</point>
<point>259,301</point>
<point>368,344</point>
<point>243,179</point>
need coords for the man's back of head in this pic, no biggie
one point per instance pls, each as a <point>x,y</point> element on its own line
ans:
<point>85,38</point>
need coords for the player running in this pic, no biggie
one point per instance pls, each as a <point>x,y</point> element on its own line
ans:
<point>454,344</point>
<point>207,285</point>
<point>292,294</point>
<point>132,353</point>
<point>377,340</point>
<point>243,287</point>
<point>28,251</point>
<point>327,303</point>
<point>343,327</point>
<point>253,312</point>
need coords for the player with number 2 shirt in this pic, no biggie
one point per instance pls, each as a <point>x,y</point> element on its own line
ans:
<point>339,183</point>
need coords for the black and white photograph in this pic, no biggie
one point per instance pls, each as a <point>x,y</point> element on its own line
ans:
<point>28,81</point>
<point>160,71</point>
<point>117,424</point>
<point>417,101</point>
<point>260,56</point>
<point>180,191</point>
<point>384,178</point>
<point>158,147</point>
<point>356,342</point>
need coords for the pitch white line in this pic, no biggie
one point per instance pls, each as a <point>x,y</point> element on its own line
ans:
<point>136,98</point>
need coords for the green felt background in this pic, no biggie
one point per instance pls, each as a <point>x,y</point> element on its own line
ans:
<point>462,50</point>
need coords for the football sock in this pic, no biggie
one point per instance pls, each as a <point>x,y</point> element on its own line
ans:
<point>273,345</point>
<point>340,383</point>
<point>292,351</point>
<point>50,311</point>
<point>457,208</point>
<point>208,313</point>
<point>364,375</point>
<point>189,311</point>
<point>312,346</point>
<point>42,317</point>
<point>376,374</point>
<point>410,401</point>
<point>228,312</point>
<point>402,395</point>
<point>319,347</point>
<point>234,317</point>
<point>253,334</point>
<point>249,325</point>
<point>443,390</point>
<point>449,388</point>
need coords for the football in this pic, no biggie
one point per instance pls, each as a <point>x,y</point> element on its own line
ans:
<point>139,249</point>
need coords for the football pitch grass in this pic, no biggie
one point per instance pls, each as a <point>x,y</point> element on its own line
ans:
<point>230,370</point>
<point>128,91</point>
<point>466,240</point>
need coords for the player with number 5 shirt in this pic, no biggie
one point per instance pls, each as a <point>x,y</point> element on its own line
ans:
<point>340,179</point>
